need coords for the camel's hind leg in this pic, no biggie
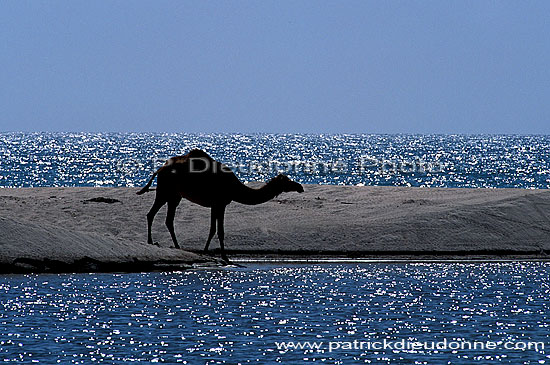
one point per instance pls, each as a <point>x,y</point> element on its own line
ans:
<point>212,228</point>
<point>172,205</point>
<point>151,216</point>
<point>220,213</point>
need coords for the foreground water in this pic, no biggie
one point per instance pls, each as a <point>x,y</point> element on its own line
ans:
<point>128,159</point>
<point>249,315</point>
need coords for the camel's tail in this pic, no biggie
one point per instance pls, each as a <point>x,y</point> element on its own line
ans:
<point>146,187</point>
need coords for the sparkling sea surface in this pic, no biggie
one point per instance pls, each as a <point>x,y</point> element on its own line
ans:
<point>242,315</point>
<point>249,315</point>
<point>128,159</point>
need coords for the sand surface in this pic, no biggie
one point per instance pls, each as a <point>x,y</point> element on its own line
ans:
<point>44,228</point>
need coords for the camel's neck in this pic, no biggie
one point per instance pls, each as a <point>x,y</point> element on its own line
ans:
<point>249,196</point>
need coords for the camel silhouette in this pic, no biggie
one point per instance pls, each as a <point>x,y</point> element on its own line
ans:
<point>204,181</point>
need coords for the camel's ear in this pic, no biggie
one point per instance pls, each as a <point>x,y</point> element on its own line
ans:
<point>297,187</point>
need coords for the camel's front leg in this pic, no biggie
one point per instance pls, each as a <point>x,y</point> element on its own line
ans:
<point>212,229</point>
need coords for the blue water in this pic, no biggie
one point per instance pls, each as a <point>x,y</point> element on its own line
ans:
<point>240,315</point>
<point>111,159</point>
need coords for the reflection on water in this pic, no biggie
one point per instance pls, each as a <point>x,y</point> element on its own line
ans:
<point>239,315</point>
<point>128,159</point>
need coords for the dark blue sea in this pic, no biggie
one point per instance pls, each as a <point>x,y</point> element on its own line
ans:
<point>113,159</point>
<point>457,313</point>
<point>453,313</point>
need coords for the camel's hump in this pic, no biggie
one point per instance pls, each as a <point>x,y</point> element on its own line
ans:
<point>196,153</point>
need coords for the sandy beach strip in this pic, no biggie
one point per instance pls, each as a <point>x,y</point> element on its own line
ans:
<point>104,229</point>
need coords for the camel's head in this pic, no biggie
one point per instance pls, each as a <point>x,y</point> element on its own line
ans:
<point>286,185</point>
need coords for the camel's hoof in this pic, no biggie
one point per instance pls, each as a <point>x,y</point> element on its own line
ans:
<point>227,262</point>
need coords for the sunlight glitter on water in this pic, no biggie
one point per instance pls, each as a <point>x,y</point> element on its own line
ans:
<point>128,159</point>
<point>238,315</point>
